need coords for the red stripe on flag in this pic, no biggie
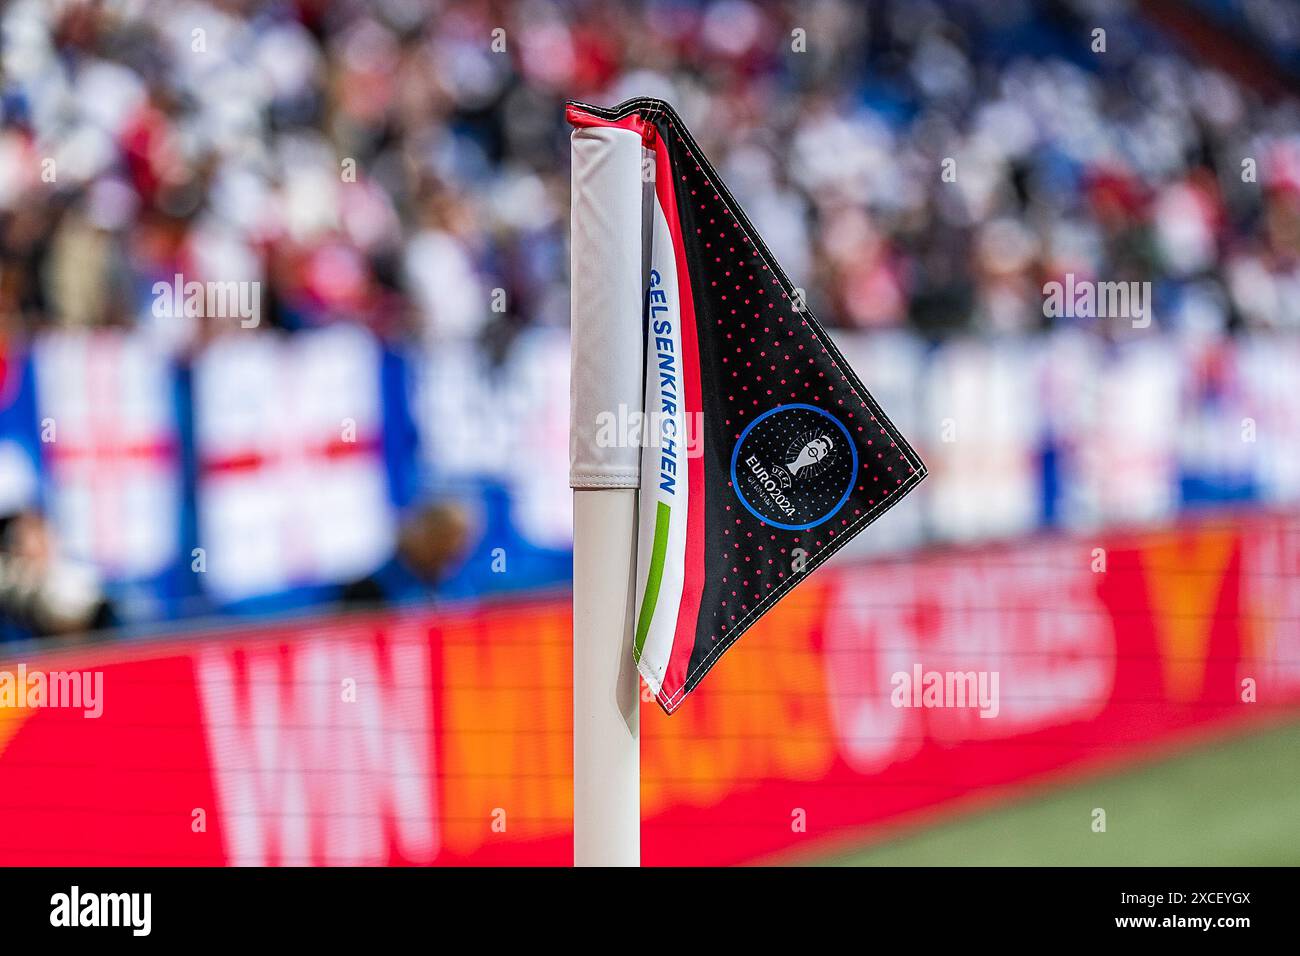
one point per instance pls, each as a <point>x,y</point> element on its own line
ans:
<point>107,453</point>
<point>580,119</point>
<point>332,450</point>
<point>673,690</point>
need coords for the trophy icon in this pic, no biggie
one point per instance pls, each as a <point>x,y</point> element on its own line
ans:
<point>811,453</point>
<point>815,450</point>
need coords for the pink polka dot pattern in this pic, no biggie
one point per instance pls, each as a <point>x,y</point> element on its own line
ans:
<point>820,459</point>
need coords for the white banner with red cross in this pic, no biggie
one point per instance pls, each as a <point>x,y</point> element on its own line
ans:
<point>109,438</point>
<point>292,488</point>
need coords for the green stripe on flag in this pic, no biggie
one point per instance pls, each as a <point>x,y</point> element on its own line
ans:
<point>652,581</point>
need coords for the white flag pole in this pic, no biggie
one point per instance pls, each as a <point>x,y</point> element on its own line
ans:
<point>606,724</point>
<point>605,386</point>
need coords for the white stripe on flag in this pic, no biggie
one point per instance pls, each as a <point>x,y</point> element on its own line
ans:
<point>664,476</point>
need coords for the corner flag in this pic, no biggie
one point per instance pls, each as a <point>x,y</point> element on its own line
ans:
<point>764,453</point>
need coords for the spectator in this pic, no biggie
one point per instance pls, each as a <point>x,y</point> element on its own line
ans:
<point>41,593</point>
<point>430,545</point>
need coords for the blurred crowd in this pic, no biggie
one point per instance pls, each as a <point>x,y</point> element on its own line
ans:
<point>922,168</point>
<point>396,162</point>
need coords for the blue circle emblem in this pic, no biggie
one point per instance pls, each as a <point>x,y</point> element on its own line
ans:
<point>794,466</point>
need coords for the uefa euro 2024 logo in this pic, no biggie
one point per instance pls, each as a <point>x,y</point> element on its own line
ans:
<point>794,466</point>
